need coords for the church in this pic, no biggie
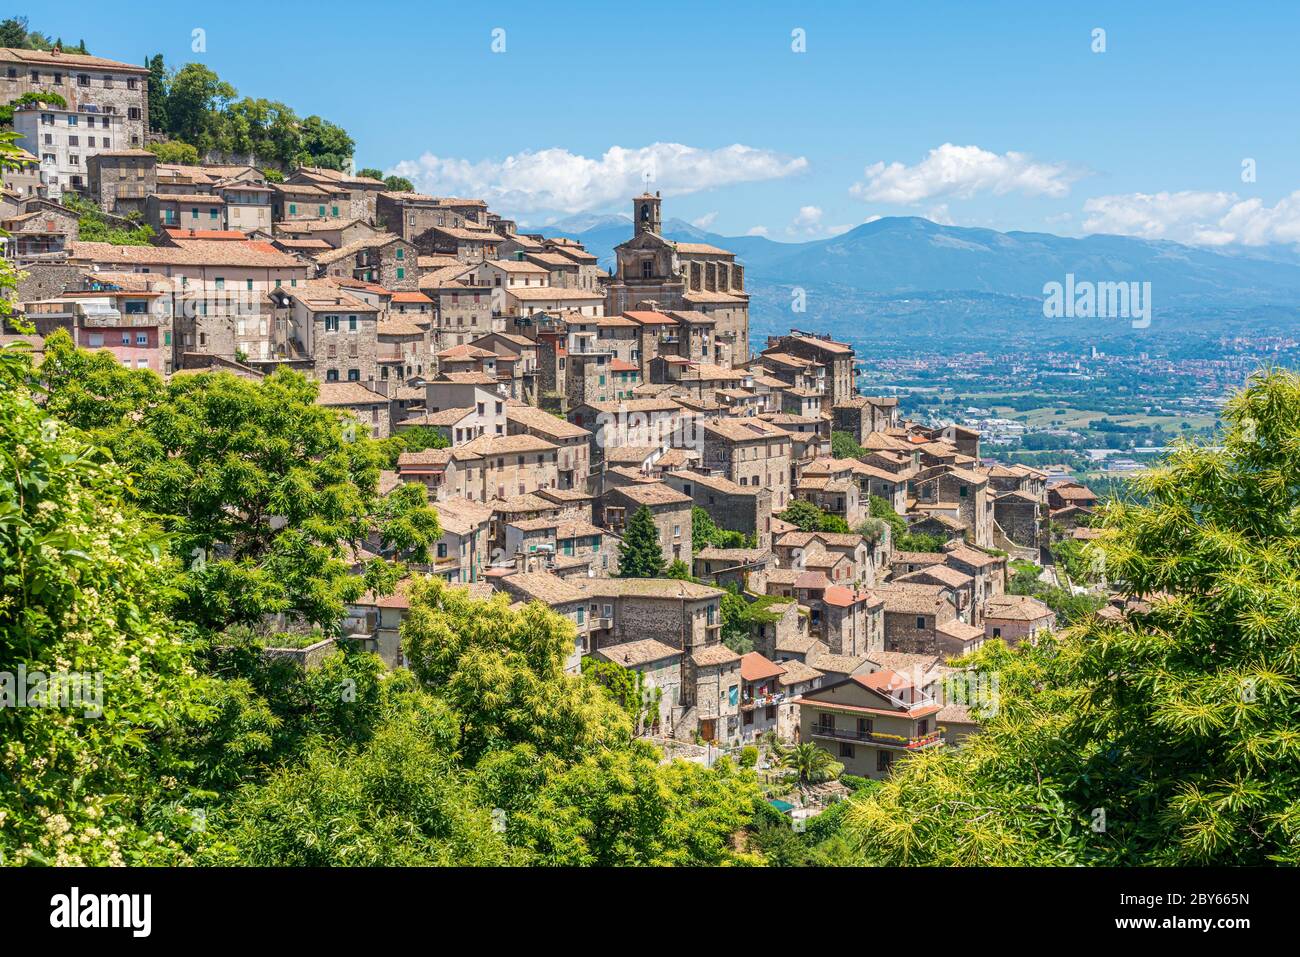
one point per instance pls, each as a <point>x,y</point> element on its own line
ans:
<point>657,273</point>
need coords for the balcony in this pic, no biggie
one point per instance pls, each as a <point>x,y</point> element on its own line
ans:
<point>762,701</point>
<point>892,741</point>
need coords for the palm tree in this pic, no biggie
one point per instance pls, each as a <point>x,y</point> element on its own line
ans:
<point>813,764</point>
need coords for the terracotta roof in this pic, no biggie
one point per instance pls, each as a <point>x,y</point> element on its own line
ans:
<point>754,667</point>
<point>348,393</point>
<point>542,421</point>
<point>714,655</point>
<point>650,588</point>
<point>653,493</point>
<point>67,60</point>
<point>199,252</point>
<point>542,586</point>
<point>641,652</point>
<point>1015,608</point>
<point>797,672</point>
<point>548,293</point>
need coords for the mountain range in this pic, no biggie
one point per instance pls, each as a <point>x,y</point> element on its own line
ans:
<point>878,266</point>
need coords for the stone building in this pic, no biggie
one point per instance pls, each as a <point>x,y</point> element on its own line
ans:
<point>573,442</point>
<point>670,509</point>
<point>1017,618</point>
<point>868,721</point>
<point>752,453</point>
<point>362,191</point>
<point>733,507</point>
<point>836,357</point>
<point>367,407</point>
<point>121,180</point>
<point>860,415</point>
<point>89,85</point>
<point>683,277</point>
<point>337,330</point>
<point>303,201</point>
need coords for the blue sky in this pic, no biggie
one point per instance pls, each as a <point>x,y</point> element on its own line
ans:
<point>980,114</point>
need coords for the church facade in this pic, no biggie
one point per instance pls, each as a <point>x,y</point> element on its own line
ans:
<point>657,273</point>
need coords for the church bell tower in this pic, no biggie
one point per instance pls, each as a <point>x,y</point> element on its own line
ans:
<point>645,213</point>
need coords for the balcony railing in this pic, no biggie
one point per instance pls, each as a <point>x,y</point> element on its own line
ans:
<point>877,738</point>
<point>762,700</point>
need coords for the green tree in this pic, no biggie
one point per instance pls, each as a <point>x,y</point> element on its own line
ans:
<point>845,446</point>
<point>878,507</point>
<point>399,184</point>
<point>195,101</point>
<point>157,95</point>
<point>809,518</point>
<point>174,151</point>
<point>1168,737</point>
<point>261,489</point>
<point>400,798</point>
<point>504,673</point>
<point>705,533</point>
<point>81,575</point>
<point>640,555</point>
<point>811,764</point>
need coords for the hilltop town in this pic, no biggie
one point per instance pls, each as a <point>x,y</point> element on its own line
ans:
<point>818,564</point>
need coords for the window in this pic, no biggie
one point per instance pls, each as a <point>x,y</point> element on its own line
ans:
<point>997,632</point>
<point>331,323</point>
<point>334,211</point>
<point>321,211</point>
<point>846,749</point>
<point>354,375</point>
<point>83,80</point>
<point>581,613</point>
<point>72,119</point>
<point>332,375</point>
<point>131,83</point>
<point>920,623</point>
<point>133,113</point>
<point>882,760</point>
<point>352,323</point>
<point>442,549</point>
<point>401,253</point>
<point>221,283</point>
<point>141,338</point>
<point>401,273</point>
<point>293,209</point>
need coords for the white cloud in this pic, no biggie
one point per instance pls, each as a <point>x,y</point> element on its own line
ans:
<point>961,172</point>
<point>705,221</point>
<point>808,222</point>
<point>1200,218</point>
<point>756,231</point>
<point>940,214</point>
<point>554,180</point>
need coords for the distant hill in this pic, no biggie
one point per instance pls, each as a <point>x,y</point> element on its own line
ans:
<point>955,280</point>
